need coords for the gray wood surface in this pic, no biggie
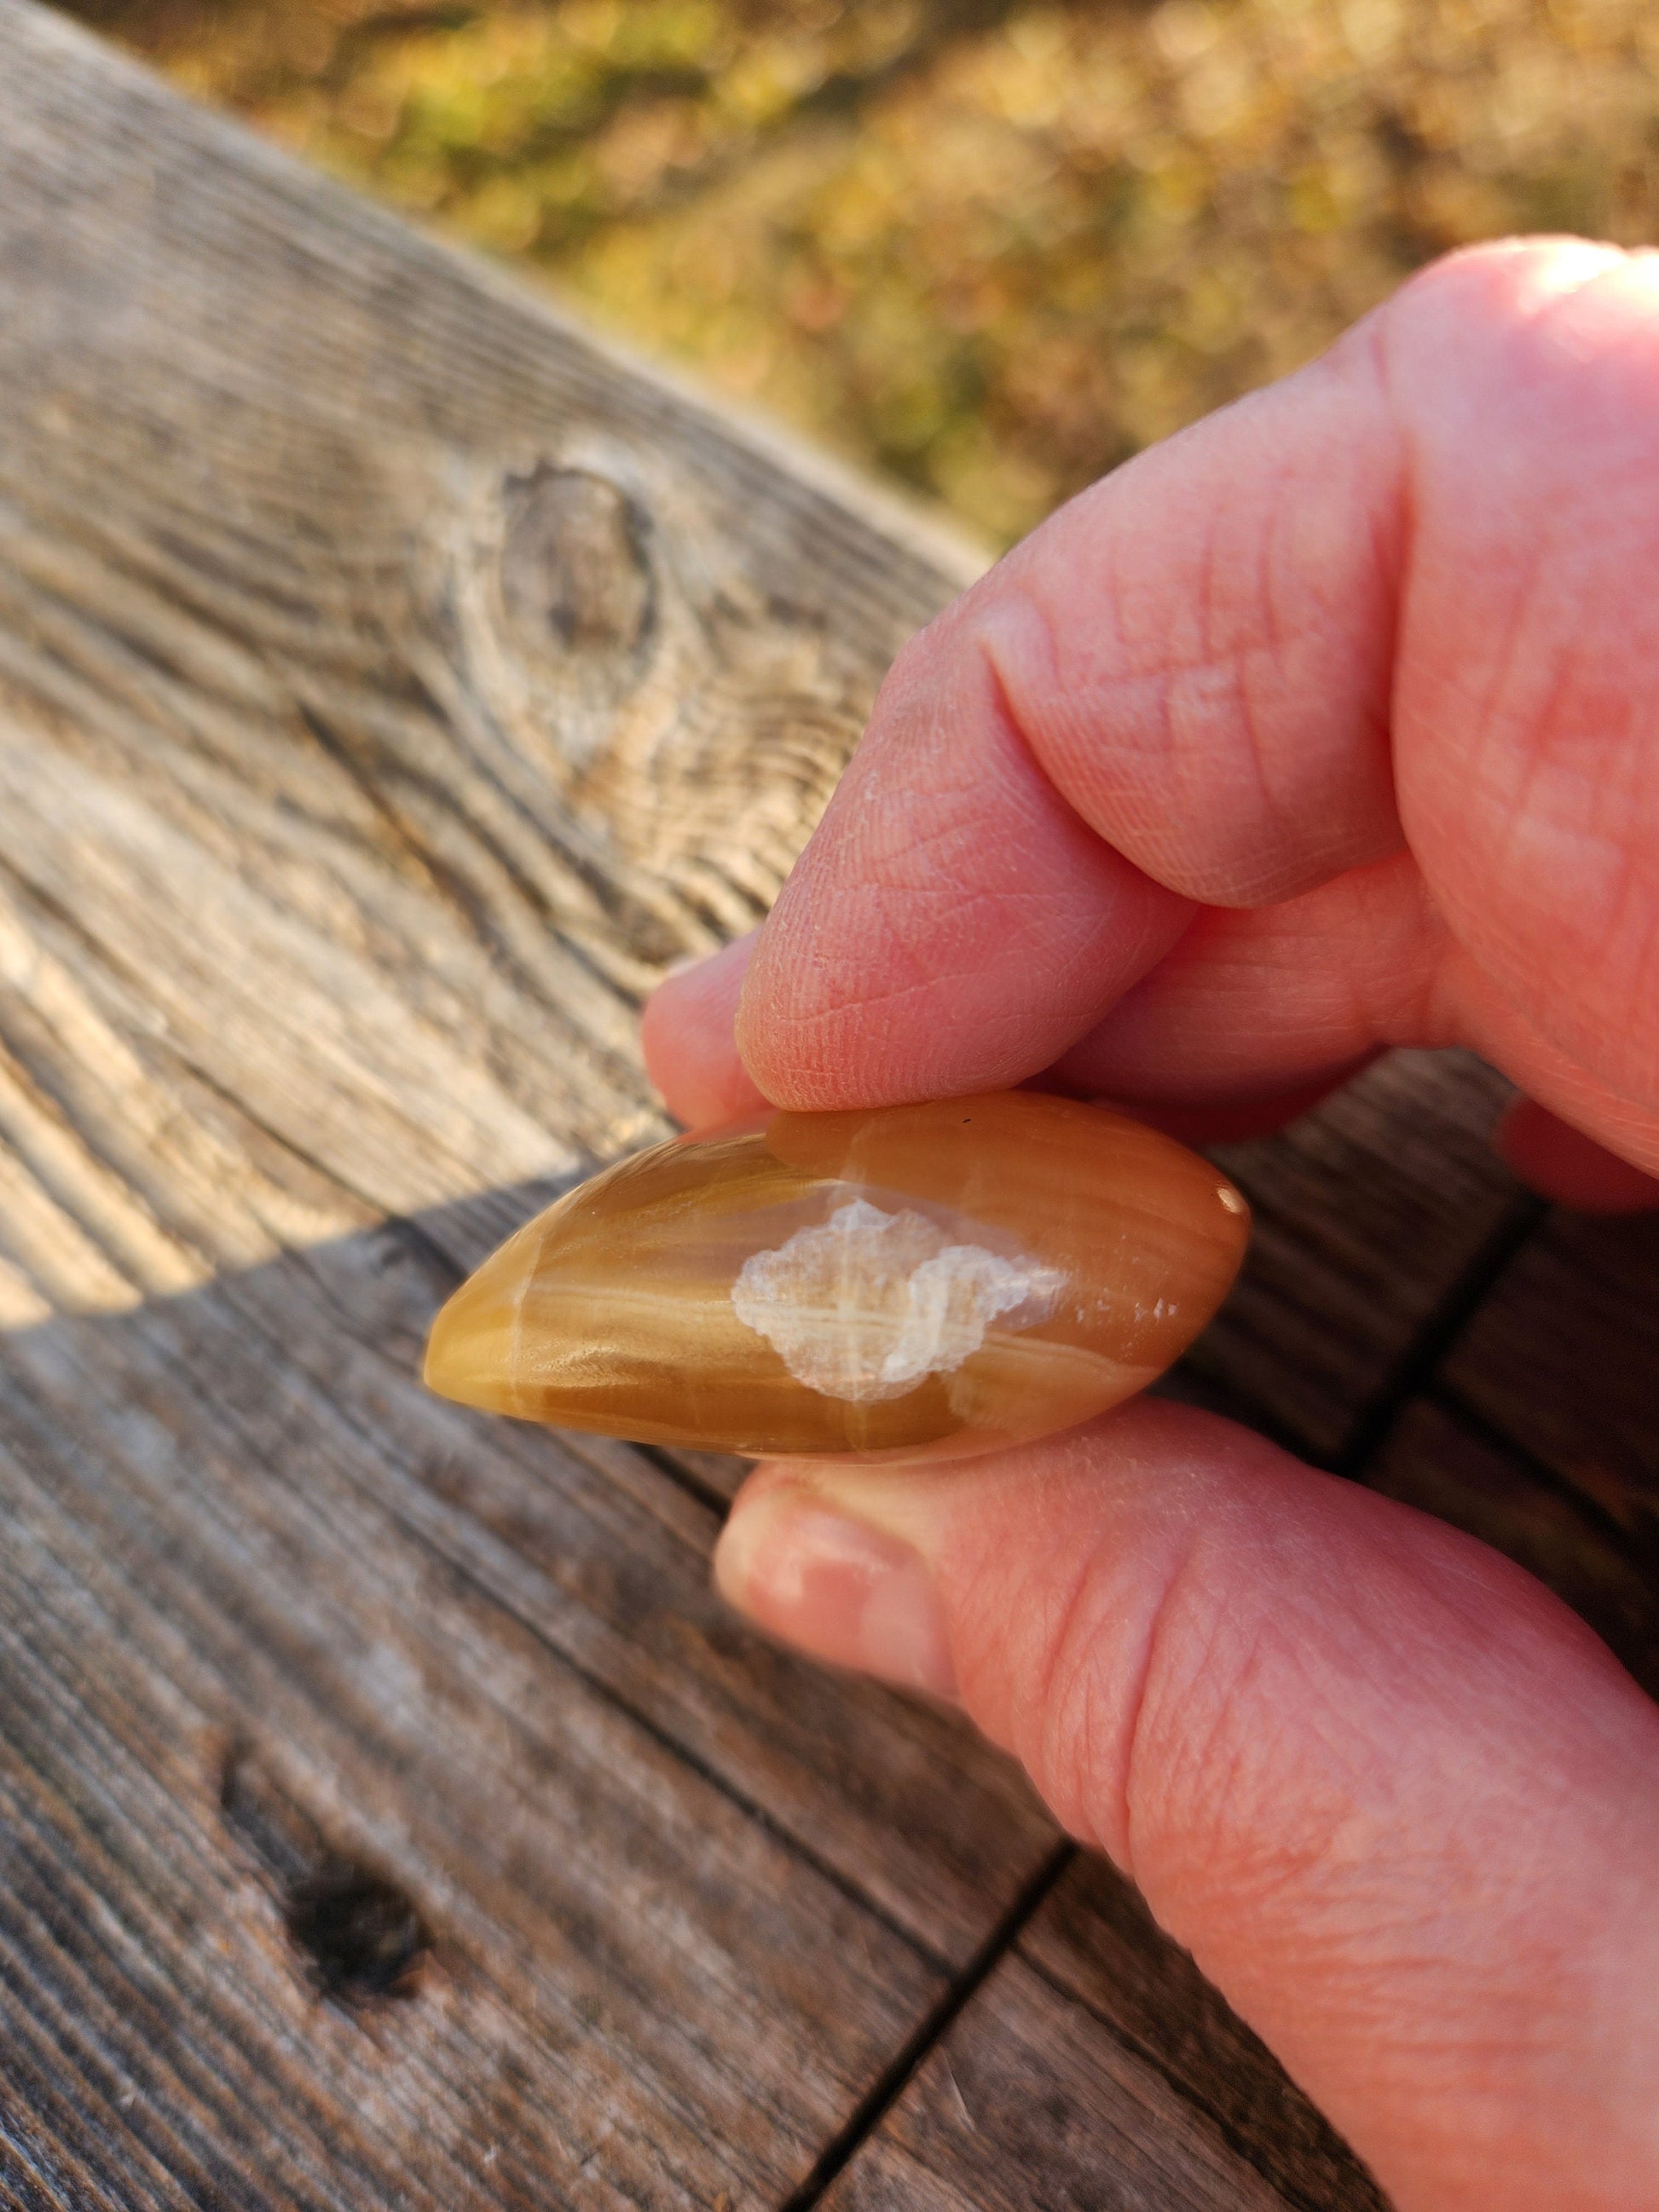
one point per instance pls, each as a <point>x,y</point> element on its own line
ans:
<point>391,680</point>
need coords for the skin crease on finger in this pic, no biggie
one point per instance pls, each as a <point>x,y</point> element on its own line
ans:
<point>1353,687</point>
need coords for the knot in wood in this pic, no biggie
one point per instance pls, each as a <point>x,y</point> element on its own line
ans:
<point>573,566</point>
<point>360,1933</point>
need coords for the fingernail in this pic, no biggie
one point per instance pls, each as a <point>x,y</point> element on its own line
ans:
<point>836,1587</point>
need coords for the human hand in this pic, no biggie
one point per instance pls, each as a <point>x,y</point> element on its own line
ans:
<point>1330,725</point>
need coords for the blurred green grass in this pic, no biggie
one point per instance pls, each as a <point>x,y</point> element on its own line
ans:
<point>988,248</point>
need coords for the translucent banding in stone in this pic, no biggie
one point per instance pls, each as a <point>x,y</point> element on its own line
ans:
<point>908,1281</point>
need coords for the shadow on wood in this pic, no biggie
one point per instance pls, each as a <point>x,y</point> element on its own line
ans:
<point>391,677</point>
<point>274,1613</point>
<point>319,1687</point>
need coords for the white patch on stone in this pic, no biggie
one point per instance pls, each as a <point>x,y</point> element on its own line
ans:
<point>864,1307</point>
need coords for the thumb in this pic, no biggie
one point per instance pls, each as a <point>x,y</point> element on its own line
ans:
<point>1395,1798</point>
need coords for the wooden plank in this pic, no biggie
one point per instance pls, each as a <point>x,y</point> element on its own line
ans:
<point>1369,1213</point>
<point>1042,2094</point>
<point>1031,2103</point>
<point>1095,1942</point>
<point>638,1992</point>
<point>1562,1358</point>
<point>390,681</point>
<point>241,1008</point>
<point>588,1543</point>
<point>461,673</point>
<point>1553,1525</point>
<point>372,582</point>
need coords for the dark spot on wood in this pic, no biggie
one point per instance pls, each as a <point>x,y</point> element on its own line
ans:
<point>574,570</point>
<point>360,1933</point>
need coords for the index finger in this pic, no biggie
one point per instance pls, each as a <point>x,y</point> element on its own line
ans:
<point>1174,691</point>
<point>1185,688</point>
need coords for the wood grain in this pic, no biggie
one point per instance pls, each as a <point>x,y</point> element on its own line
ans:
<point>1096,1943</point>
<point>1369,1215</point>
<point>1030,2104</point>
<point>639,1991</point>
<point>386,687</point>
<point>461,674</point>
<point>392,678</point>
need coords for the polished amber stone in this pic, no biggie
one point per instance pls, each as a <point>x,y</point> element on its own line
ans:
<point>911,1280</point>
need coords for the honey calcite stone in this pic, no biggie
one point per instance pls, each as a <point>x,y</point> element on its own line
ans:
<point>910,1281</point>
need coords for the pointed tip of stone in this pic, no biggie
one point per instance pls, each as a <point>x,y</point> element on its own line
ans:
<point>446,1367</point>
<point>472,1350</point>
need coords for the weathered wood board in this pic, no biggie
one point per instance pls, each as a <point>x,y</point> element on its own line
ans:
<point>609,2010</point>
<point>391,680</point>
<point>1562,1358</point>
<point>1368,1217</point>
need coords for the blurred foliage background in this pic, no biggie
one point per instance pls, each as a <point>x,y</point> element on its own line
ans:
<point>987,246</point>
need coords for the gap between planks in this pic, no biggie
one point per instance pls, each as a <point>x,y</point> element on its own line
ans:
<point>895,2078</point>
<point>1423,1357</point>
